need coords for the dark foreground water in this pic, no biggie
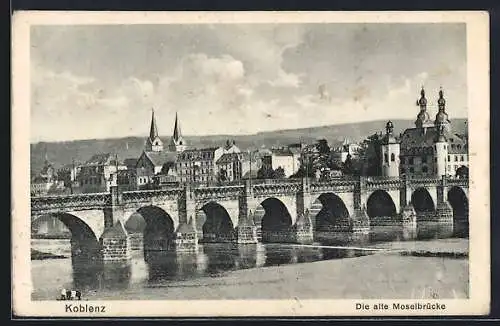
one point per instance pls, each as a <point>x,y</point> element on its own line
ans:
<point>153,273</point>
<point>162,269</point>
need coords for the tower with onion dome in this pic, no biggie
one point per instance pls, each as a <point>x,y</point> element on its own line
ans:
<point>390,152</point>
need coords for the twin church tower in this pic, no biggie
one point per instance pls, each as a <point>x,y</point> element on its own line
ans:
<point>429,149</point>
<point>155,144</point>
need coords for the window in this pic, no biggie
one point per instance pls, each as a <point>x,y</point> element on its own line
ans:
<point>456,158</point>
<point>461,158</point>
<point>424,169</point>
<point>424,159</point>
<point>402,160</point>
<point>393,157</point>
<point>403,171</point>
<point>448,158</point>
<point>412,170</point>
<point>411,161</point>
<point>386,158</point>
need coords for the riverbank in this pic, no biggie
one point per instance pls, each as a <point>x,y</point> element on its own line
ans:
<point>384,274</point>
<point>38,255</point>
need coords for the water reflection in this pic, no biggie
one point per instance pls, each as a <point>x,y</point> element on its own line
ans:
<point>221,257</point>
<point>164,268</point>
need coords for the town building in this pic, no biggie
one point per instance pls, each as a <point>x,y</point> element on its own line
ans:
<point>233,164</point>
<point>46,181</point>
<point>97,174</point>
<point>288,158</point>
<point>154,160</point>
<point>230,166</point>
<point>198,165</point>
<point>340,150</point>
<point>431,149</point>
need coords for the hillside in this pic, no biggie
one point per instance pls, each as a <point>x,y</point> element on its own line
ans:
<point>61,153</point>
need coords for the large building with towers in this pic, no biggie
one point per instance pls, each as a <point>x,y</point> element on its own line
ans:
<point>430,149</point>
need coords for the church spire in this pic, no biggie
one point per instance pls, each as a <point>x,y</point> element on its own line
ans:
<point>177,129</point>
<point>177,142</point>
<point>153,131</point>
<point>153,143</point>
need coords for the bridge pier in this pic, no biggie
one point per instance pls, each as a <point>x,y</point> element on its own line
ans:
<point>303,229</point>
<point>408,222</point>
<point>116,245</point>
<point>247,231</point>
<point>186,237</point>
<point>440,223</point>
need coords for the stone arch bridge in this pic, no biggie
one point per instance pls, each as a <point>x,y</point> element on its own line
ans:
<point>298,211</point>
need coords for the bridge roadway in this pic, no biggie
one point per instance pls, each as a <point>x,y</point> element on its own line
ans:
<point>104,226</point>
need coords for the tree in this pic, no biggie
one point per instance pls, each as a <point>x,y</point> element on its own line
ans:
<point>462,172</point>
<point>322,147</point>
<point>222,175</point>
<point>347,166</point>
<point>323,159</point>
<point>265,172</point>
<point>369,155</point>
<point>279,173</point>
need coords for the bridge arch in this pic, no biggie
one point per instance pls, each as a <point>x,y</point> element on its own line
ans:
<point>215,223</point>
<point>423,203</point>
<point>276,223</point>
<point>333,214</point>
<point>85,247</point>
<point>155,225</point>
<point>460,204</point>
<point>380,204</point>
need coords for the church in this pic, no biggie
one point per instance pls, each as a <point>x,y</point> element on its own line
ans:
<point>154,160</point>
<point>431,149</point>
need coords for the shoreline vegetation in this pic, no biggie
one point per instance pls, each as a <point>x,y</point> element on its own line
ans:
<point>39,255</point>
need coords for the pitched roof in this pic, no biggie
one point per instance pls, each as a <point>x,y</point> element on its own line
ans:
<point>98,159</point>
<point>416,137</point>
<point>281,152</point>
<point>196,154</point>
<point>130,162</point>
<point>160,158</point>
<point>230,157</point>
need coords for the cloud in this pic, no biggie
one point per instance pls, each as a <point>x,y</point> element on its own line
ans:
<point>237,78</point>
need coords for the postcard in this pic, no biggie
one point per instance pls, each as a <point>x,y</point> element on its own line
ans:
<point>193,164</point>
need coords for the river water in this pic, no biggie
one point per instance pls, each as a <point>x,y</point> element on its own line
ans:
<point>161,269</point>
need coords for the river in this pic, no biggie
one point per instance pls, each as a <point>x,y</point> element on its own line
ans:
<point>152,275</point>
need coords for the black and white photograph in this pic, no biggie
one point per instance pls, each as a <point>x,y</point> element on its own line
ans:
<point>275,160</point>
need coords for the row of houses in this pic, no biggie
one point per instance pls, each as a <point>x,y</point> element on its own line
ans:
<point>157,166</point>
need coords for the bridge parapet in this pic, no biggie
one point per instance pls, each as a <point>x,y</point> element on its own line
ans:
<point>275,181</point>
<point>145,196</point>
<point>284,188</point>
<point>458,182</point>
<point>388,183</point>
<point>333,185</point>
<point>214,193</point>
<point>69,202</point>
<point>423,182</point>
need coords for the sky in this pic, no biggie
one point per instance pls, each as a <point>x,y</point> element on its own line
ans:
<point>101,81</point>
